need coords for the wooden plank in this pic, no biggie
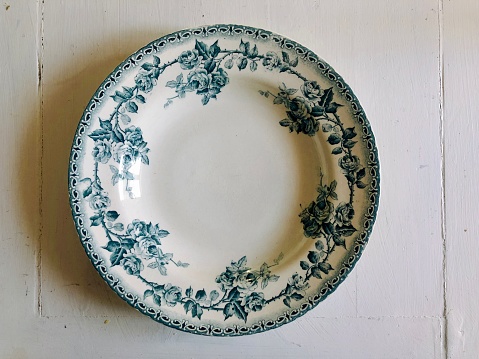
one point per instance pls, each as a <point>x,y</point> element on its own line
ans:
<point>461,133</point>
<point>20,162</point>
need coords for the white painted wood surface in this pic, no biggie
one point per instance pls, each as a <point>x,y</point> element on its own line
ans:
<point>413,66</point>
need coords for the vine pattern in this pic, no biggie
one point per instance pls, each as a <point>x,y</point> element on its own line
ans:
<point>121,145</point>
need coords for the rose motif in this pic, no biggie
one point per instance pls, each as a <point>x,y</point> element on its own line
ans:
<point>298,283</point>
<point>199,80</point>
<point>308,125</point>
<point>298,108</point>
<point>253,302</point>
<point>134,136</point>
<point>102,151</point>
<point>188,59</point>
<point>147,248</point>
<point>99,201</point>
<point>172,295</point>
<point>131,264</point>
<point>137,229</point>
<point>344,214</point>
<point>219,79</point>
<point>144,81</point>
<point>225,280</point>
<point>125,154</point>
<point>271,60</point>
<point>311,90</point>
<point>349,163</point>
<point>246,281</point>
<point>311,226</point>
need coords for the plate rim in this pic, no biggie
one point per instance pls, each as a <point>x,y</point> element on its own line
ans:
<point>208,329</point>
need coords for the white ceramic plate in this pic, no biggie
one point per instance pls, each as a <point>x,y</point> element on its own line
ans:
<point>224,180</point>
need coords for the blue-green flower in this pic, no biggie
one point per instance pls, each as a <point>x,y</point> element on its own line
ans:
<point>131,264</point>
<point>102,151</point>
<point>134,135</point>
<point>271,60</point>
<point>308,125</point>
<point>99,201</point>
<point>253,302</point>
<point>311,90</point>
<point>189,59</point>
<point>145,81</point>
<point>126,154</point>
<point>137,229</point>
<point>225,280</point>
<point>172,295</point>
<point>349,163</point>
<point>298,283</point>
<point>199,80</point>
<point>299,108</point>
<point>344,214</point>
<point>147,248</point>
<point>219,79</point>
<point>246,281</point>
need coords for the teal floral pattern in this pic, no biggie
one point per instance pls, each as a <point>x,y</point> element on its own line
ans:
<point>137,246</point>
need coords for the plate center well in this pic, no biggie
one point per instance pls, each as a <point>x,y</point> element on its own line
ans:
<point>225,179</point>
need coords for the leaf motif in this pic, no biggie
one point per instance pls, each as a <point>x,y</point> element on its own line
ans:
<point>254,52</point>
<point>140,98</point>
<point>274,278</point>
<point>319,245</point>
<point>118,227</point>
<point>334,139</point>
<point>200,295</point>
<point>228,310</point>
<point>157,299</point>
<point>345,231</point>
<point>297,296</point>
<point>304,265</point>
<point>286,122</point>
<point>327,97</point>
<point>242,62</point>
<point>125,119</point>
<point>145,159</point>
<point>361,173</point>
<point>244,47</point>
<point>202,49</point>
<point>88,191</point>
<point>171,84</point>
<point>131,106</point>
<point>253,66</point>
<point>96,220</point>
<point>153,265</point>
<point>349,143</point>
<point>100,134</point>
<point>112,215</point>
<point>339,241</point>
<point>233,294</point>
<point>239,311</point>
<point>278,100</point>
<point>210,65</point>
<point>214,49</point>
<point>229,64</point>
<point>147,66</point>
<point>156,60</point>
<point>188,305</point>
<point>287,301</point>
<point>264,283</point>
<point>337,150</point>
<point>325,267</point>
<point>242,261</point>
<point>285,56</point>
<point>214,295</point>
<point>316,272</point>
<point>117,256</point>
<point>112,246</point>
<point>313,257</point>
<point>148,293</point>
<point>189,292</point>
<point>360,184</point>
<point>294,62</point>
<point>162,270</point>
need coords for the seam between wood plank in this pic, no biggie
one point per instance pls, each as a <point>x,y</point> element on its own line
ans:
<point>443,177</point>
